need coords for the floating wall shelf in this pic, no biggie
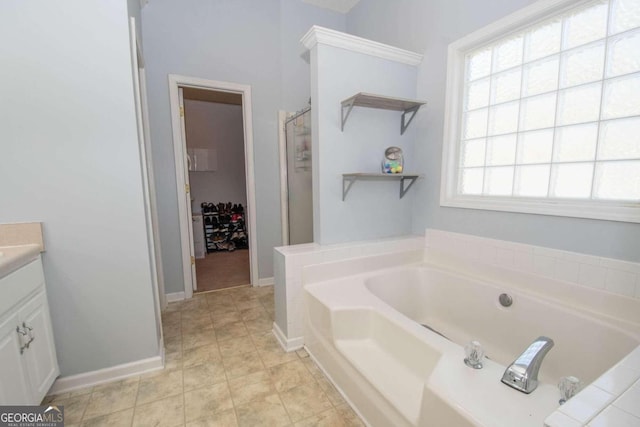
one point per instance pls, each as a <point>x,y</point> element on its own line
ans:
<point>407,106</point>
<point>349,178</point>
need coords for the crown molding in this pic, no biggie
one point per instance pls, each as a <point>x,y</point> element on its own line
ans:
<point>320,35</point>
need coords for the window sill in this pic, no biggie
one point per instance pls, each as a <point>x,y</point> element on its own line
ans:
<point>614,211</point>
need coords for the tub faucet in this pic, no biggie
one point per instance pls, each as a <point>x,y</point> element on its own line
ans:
<point>522,374</point>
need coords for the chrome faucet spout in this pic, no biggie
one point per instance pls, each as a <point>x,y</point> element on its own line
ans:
<point>522,374</point>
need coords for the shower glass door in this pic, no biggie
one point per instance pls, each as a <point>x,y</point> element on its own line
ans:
<point>300,202</point>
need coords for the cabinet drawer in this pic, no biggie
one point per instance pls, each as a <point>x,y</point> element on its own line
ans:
<point>20,284</point>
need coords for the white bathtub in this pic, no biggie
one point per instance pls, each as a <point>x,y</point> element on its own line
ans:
<point>365,332</point>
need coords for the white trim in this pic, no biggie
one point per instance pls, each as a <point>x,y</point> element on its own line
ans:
<point>146,167</point>
<point>288,344</point>
<point>266,281</point>
<point>613,211</point>
<point>284,193</point>
<point>118,372</point>
<point>176,81</point>
<point>175,296</point>
<point>317,34</point>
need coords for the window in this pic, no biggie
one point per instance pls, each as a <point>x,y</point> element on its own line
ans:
<point>543,112</point>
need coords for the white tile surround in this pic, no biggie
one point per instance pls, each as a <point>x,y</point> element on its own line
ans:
<point>612,275</point>
<point>611,401</point>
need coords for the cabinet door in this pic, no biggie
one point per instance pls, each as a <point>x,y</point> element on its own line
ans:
<point>14,383</point>
<point>40,357</point>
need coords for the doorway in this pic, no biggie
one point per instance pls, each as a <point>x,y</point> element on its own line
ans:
<point>213,147</point>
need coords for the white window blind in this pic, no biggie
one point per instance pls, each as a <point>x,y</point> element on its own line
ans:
<point>551,111</point>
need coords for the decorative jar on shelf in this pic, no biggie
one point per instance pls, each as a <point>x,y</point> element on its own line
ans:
<point>393,161</point>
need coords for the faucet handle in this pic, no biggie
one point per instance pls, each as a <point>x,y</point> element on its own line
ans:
<point>568,386</point>
<point>475,353</point>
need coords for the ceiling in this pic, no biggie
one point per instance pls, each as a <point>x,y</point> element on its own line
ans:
<point>342,6</point>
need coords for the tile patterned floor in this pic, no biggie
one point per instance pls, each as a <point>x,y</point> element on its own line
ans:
<point>223,368</point>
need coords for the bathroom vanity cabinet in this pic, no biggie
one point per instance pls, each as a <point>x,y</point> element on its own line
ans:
<point>28,363</point>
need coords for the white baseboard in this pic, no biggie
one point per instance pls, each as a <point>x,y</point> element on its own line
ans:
<point>118,372</point>
<point>267,281</point>
<point>175,296</point>
<point>288,344</point>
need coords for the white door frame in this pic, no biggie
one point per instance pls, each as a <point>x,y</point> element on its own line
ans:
<point>180,154</point>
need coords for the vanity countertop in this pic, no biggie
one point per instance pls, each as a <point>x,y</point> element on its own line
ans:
<point>14,257</point>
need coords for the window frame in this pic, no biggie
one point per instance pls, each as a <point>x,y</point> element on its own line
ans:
<point>624,211</point>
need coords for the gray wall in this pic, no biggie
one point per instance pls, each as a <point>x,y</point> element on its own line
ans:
<point>428,28</point>
<point>217,126</point>
<point>242,41</point>
<point>69,158</point>
<point>372,209</point>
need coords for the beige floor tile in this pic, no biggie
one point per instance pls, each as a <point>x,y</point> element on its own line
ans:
<point>272,357</point>
<point>159,386</point>
<point>241,365</point>
<point>172,307</point>
<point>198,355</point>
<point>198,376</point>
<point>225,368</point>
<point>251,387</point>
<point>167,412</point>
<point>220,320</point>
<point>221,419</point>
<point>265,341</point>
<point>348,416</point>
<point>304,401</point>
<point>267,411</point>
<point>256,326</point>
<point>88,390</point>
<point>289,375</point>
<point>247,302</point>
<point>192,305</point>
<point>113,397</point>
<point>199,312</point>
<point>170,357</point>
<point>219,299</point>
<point>271,312</point>
<point>253,313</point>
<point>313,369</point>
<point>329,418</point>
<point>171,317</point>
<point>332,393</point>
<point>232,330</point>
<point>207,401</point>
<point>222,307</point>
<point>73,407</point>
<point>236,346</point>
<point>198,339</point>
<point>172,330</point>
<point>173,344</point>
<point>115,419</point>
<point>197,324</point>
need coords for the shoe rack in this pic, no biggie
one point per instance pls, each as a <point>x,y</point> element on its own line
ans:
<point>224,227</point>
